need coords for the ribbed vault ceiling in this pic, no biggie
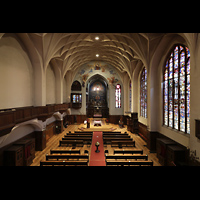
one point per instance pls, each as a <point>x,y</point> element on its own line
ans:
<point>72,50</point>
<point>117,49</point>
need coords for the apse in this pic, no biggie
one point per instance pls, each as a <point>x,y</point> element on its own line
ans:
<point>97,95</point>
<point>97,92</point>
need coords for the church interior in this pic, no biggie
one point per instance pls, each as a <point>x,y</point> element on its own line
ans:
<point>99,99</point>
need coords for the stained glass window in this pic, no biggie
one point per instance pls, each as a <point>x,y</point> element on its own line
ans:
<point>176,90</point>
<point>118,96</point>
<point>76,98</point>
<point>143,93</point>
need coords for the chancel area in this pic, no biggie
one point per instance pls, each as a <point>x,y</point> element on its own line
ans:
<point>99,99</point>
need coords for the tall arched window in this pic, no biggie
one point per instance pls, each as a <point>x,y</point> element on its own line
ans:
<point>118,96</point>
<point>143,93</point>
<point>176,89</point>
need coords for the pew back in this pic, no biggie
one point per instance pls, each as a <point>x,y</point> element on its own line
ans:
<point>129,163</point>
<point>67,157</point>
<point>64,151</point>
<point>134,156</point>
<point>64,163</point>
<point>128,151</point>
<point>121,143</point>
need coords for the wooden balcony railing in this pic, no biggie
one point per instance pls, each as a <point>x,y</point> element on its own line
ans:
<point>10,117</point>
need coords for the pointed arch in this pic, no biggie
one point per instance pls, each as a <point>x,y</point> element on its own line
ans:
<point>176,89</point>
<point>143,93</point>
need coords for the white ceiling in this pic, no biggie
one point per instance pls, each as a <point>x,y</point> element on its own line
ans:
<point>72,50</point>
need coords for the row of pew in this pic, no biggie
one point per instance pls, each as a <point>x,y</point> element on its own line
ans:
<point>72,157</point>
<point>124,157</point>
<point>76,139</point>
<point>118,139</point>
<point>64,157</point>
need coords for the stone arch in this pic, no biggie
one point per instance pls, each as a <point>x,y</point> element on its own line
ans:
<point>76,86</point>
<point>155,79</point>
<point>17,90</point>
<point>95,77</point>
<point>58,81</point>
<point>135,85</point>
<point>37,64</point>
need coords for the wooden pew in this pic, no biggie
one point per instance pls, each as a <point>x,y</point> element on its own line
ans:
<point>77,138</point>
<point>71,142</point>
<point>64,151</point>
<point>85,140</point>
<point>88,136</point>
<point>78,134</point>
<point>67,156</point>
<point>115,132</point>
<point>120,136</point>
<point>128,151</point>
<point>109,140</point>
<point>111,132</point>
<point>136,156</point>
<point>64,163</point>
<point>121,143</point>
<point>83,132</point>
<point>135,163</point>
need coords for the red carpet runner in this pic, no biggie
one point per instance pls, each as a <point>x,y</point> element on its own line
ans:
<point>97,159</point>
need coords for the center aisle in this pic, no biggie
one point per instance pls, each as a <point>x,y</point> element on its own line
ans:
<point>97,159</point>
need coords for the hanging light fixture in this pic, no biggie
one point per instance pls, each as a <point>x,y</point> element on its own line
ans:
<point>97,38</point>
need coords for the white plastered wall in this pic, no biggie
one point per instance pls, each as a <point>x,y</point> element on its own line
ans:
<point>50,86</point>
<point>16,74</point>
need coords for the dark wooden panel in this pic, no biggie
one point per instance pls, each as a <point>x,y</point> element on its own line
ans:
<point>143,131</point>
<point>29,136</point>
<point>40,140</point>
<point>197,128</point>
<point>151,140</point>
<point>77,118</point>
<point>81,118</point>
<point>50,130</point>
<point>114,119</point>
<point>7,118</point>
<point>12,116</point>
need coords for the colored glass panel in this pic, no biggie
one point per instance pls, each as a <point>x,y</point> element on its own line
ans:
<point>118,96</point>
<point>143,93</point>
<point>176,90</point>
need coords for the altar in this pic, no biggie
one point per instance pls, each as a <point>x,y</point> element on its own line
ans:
<point>97,122</point>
